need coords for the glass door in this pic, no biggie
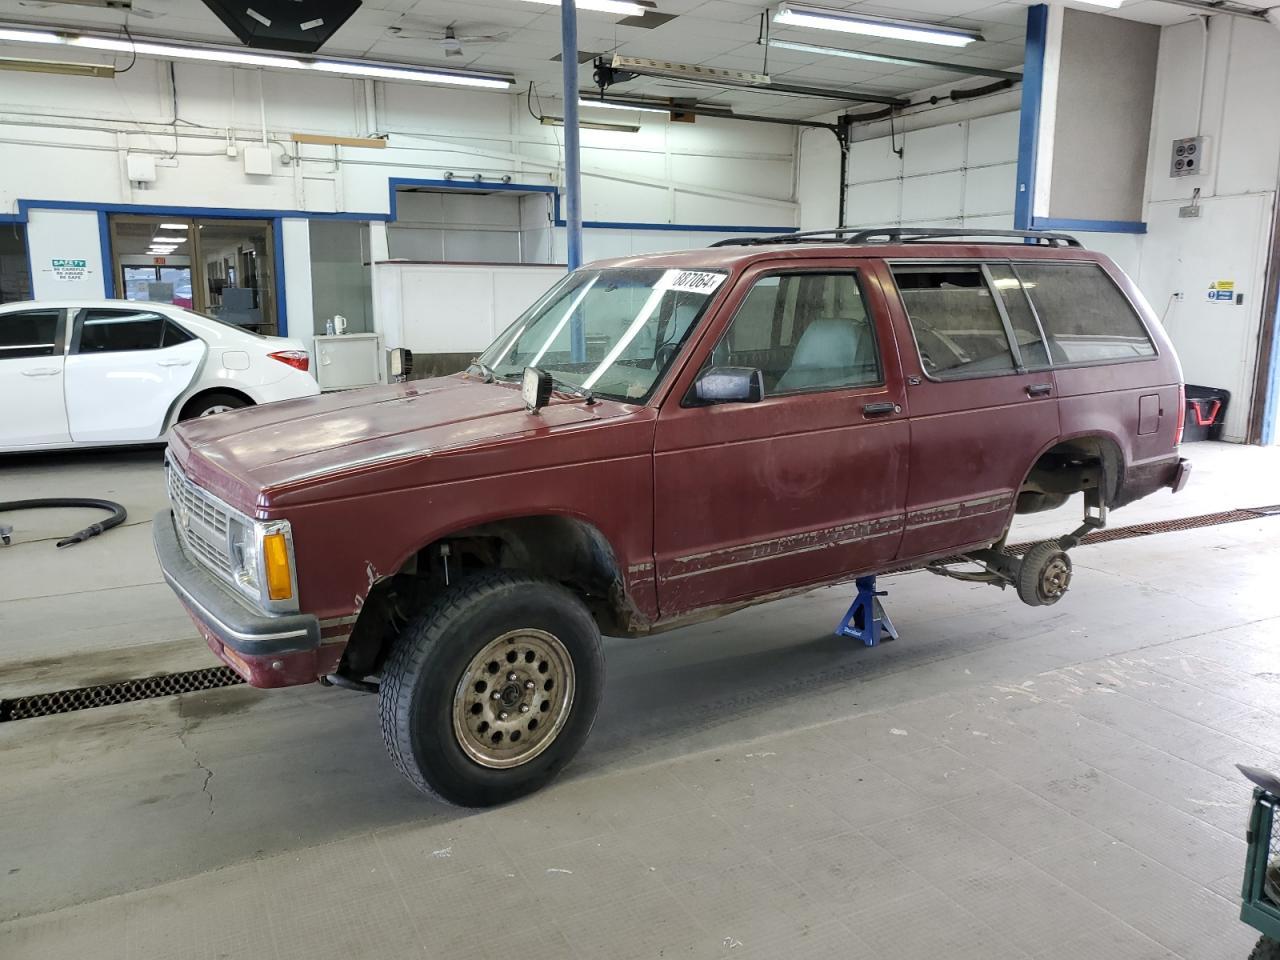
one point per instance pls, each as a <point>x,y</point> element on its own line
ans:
<point>221,267</point>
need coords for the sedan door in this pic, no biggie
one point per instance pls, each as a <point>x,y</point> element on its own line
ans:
<point>125,370</point>
<point>32,409</point>
<point>806,485</point>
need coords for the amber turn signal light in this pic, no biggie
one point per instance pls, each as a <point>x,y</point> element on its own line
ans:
<point>275,555</point>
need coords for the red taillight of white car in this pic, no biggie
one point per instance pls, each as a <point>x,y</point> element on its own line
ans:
<point>297,359</point>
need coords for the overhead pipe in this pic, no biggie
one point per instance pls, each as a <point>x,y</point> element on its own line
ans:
<point>572,164</point>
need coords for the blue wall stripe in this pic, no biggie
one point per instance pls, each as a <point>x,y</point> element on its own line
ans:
<point>1029,122</point>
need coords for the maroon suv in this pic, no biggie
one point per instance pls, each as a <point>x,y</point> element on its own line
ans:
<point>662,439</point>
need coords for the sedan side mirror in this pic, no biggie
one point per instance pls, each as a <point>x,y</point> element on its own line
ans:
<point>729,385</point>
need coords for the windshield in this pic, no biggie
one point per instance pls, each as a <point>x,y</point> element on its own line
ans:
<point>613,332</point>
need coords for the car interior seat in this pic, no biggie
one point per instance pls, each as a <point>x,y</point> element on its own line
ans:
<point>830,352</point>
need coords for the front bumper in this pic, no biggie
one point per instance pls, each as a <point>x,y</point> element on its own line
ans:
<point>266,650</point>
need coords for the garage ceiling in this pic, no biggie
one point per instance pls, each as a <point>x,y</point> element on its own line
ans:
<point>720,33</point>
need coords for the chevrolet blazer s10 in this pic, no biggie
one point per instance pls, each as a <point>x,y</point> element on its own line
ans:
<point>662,439</point>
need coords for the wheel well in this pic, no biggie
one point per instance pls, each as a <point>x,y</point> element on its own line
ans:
<point>192,400</point>
<point>569,551</point>
<point>1082,464</point>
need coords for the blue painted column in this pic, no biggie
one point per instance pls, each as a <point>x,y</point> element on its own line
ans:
<point>572,165</point>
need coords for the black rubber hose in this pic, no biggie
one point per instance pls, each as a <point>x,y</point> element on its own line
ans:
<point>118,515</point>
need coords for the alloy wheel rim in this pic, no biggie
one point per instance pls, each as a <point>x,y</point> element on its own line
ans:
<point>513,699</point>
<point>216,408</point>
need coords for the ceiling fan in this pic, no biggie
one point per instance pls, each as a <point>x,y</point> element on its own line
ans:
<point>448,38</point>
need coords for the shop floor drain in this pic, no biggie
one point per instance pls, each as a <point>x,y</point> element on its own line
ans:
<point>108,694</point>
<point>211,678</point>
<point>1161,526</point>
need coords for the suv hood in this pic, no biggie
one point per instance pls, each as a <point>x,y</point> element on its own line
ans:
<point>263,456</point>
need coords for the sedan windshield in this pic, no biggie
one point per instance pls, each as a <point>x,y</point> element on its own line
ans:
<point>613,332</point>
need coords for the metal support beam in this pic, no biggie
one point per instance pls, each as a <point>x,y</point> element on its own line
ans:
<point>572,164</point>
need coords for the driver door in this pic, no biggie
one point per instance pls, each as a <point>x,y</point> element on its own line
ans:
<point>805,486</point>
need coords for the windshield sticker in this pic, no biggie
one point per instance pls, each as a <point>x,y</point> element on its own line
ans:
<point>694,281</point>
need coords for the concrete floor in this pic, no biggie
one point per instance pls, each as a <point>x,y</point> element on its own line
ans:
<point>1000,782</point>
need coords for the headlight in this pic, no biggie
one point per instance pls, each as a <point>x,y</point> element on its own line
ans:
<point>262,563</point>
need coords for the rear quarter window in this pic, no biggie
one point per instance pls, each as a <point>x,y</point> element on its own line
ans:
<point>1085,317</point>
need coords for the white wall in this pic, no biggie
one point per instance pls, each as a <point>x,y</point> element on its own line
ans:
<point>64,138</point>
<point>1217,341</point>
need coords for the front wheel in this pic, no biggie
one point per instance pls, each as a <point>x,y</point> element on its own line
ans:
<point>1266,949</point>
<point>492,690</point>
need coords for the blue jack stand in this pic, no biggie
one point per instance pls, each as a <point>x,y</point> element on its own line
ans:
<point>866,619</point>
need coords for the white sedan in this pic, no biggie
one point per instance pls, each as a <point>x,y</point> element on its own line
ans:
<point>90,372</point>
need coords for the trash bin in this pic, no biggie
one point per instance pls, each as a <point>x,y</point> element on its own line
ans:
<point>1206,411</point>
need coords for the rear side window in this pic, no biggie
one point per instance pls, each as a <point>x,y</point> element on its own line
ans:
<point>1085,316</point>
<point>31,333</point>
<point>955,318</point>
<point>113,331</point>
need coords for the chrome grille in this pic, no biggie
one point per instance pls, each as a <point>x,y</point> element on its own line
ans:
<point>202,522</point>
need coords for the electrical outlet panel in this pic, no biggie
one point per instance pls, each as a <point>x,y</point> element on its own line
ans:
<point>1190,157</point>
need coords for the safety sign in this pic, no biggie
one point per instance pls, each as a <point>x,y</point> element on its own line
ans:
<point>1222,291</point>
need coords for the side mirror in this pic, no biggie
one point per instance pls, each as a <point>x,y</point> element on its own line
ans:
<point>729,385</point>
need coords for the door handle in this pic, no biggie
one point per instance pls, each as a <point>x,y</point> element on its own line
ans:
<point>1039,389</point>
<point>878,409</point>
<point>173,363</point>
<point>42,372</point>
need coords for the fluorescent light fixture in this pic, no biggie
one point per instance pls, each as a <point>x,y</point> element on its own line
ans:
<point>843,21</point>
<point>164,238</point>
<point>1110,4</point>
<point>175,226</point>
<point>103,71</point>
<point>212,54</point>
<point>622,105</point>
<point>593,125</point>
<point>621,7</point>
<point>377,72</point>
<point>29,36</point>
<point>889,58</point>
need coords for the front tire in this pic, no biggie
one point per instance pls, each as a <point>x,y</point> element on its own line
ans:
<point>492,689</point>
<point>1266,949</point>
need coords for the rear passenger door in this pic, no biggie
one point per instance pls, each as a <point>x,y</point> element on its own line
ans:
<point>982,398</point>
<point>124,372</point>
<point>807,484</point>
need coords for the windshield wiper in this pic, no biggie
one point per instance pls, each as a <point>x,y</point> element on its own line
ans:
<point>484,370</point>
<point>569,388</point>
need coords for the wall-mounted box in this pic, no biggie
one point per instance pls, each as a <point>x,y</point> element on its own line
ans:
<point>141,167</point>
<point>257,161</point>
<point>1189,157</point>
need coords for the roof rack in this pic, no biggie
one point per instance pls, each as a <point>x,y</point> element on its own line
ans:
<point>852,235</point>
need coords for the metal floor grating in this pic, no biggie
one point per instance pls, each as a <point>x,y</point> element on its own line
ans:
<point>109,694</point>
<point>211,678</point>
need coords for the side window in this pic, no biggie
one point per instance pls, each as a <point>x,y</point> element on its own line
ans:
<point>112,331</point>
<point>1084,314</point>
<point>956,322</point>
<point>31,333</point>
<point>1021,317</point>
<point>804,331</point>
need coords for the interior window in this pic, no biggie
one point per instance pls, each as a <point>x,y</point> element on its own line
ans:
<point>32,333</point>
<point>111,331</point>
<point>1084,314</point>
<point>803,331</point>
<point>1018,308</point>
<point>957,325</point>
